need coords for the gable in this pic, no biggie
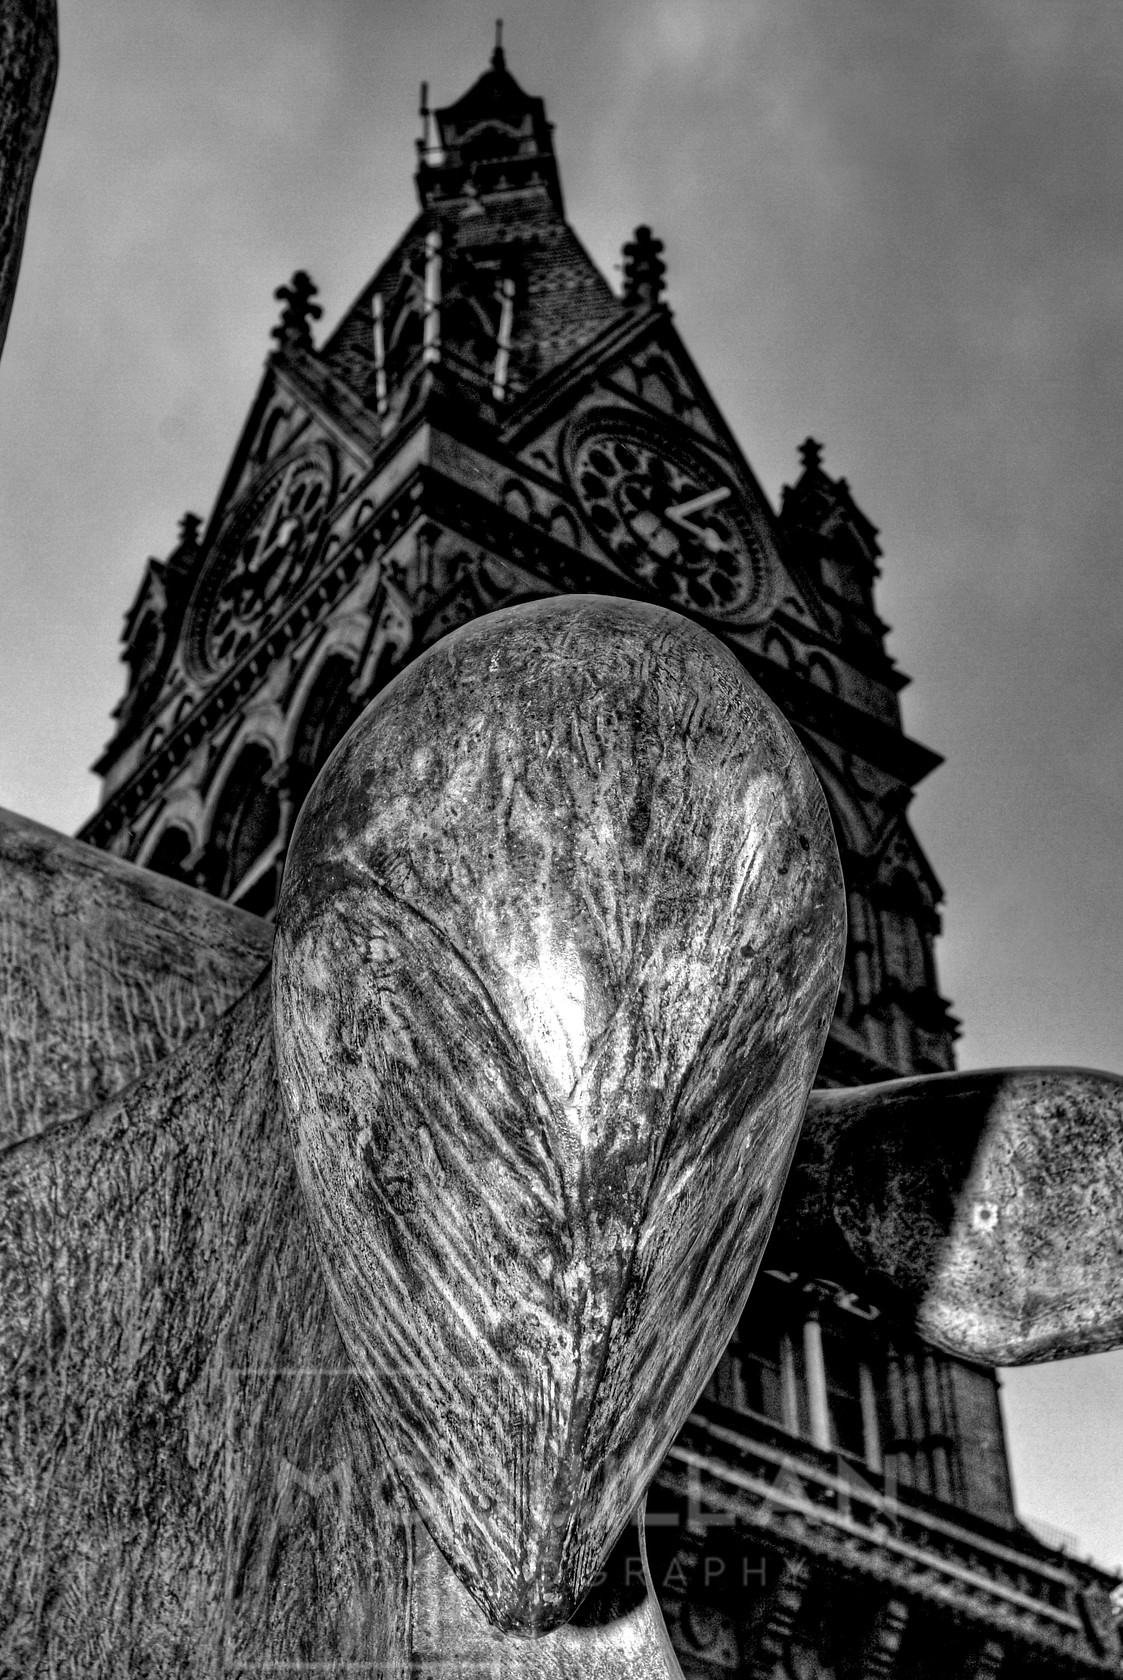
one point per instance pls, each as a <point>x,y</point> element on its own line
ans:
<point>633,445</point>
<point>149,602</point>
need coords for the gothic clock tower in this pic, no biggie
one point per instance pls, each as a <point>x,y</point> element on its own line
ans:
<point>490,422</point>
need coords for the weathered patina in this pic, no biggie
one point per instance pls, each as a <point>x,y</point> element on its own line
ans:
<point>28,68</point>
<point>984,1206</point>
<point>105,970</point>
<point>195,1470</point>
<point>556,954</point>
<point>185,1492</point>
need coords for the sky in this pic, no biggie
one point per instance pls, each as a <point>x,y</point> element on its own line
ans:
<point>897,227</point>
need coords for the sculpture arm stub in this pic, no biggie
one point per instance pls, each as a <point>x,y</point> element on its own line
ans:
<point>984,1205</point>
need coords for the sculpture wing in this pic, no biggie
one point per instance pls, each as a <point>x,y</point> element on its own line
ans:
<point>987,1203</point>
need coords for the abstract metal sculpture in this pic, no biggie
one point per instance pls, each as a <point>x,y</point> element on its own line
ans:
<point>557,949</point>
<point>28,68</point>
<point>559,940</point>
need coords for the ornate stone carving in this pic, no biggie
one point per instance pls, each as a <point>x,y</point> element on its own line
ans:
<point>294,330</point>
<point>263,556</point>
<point>667,516</point>
<point>658,379</point>
<point>780,1621</point>
<point>988,1661</point>
<point>879,1658</point>
<point>644,270</point>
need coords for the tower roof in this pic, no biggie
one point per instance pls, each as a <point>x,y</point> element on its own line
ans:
<point>494,139</point>
<point>488,182</point>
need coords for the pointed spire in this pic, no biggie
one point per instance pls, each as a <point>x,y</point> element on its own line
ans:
<point>824,506</point>
<point>498,57</point>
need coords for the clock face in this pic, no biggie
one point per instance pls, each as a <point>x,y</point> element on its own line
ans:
<point>262,559</point>
<point>665,514</point>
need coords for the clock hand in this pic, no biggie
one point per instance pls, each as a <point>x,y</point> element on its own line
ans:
<point>680,515</point>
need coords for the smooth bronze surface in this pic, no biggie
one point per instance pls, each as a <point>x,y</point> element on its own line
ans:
<point>557,948</point>
<point>988,1203</point>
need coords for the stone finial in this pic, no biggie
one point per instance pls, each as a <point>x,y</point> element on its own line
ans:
<point>189,531</point>
<point>293,330</point>
<point>544,1072</point>
<point>644,269</point>
<point>811,454</point>
<point>498,56</point>
<point>183,556</point>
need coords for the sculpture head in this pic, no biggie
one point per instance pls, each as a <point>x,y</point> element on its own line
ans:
<point>557,950</point>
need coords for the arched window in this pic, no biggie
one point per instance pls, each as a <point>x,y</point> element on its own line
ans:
<point>328,713</point>
<point>268,433</point>
<point>906,945</point>
<point>246,822</point>
<point>404,349</point>
<point>467,330</point>
<point>144,650</point>
<point>822,673</point>
<point>171,848</point>
<point>489,140</point>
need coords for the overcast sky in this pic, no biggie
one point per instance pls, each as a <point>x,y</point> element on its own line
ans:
<point>897,226</point>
